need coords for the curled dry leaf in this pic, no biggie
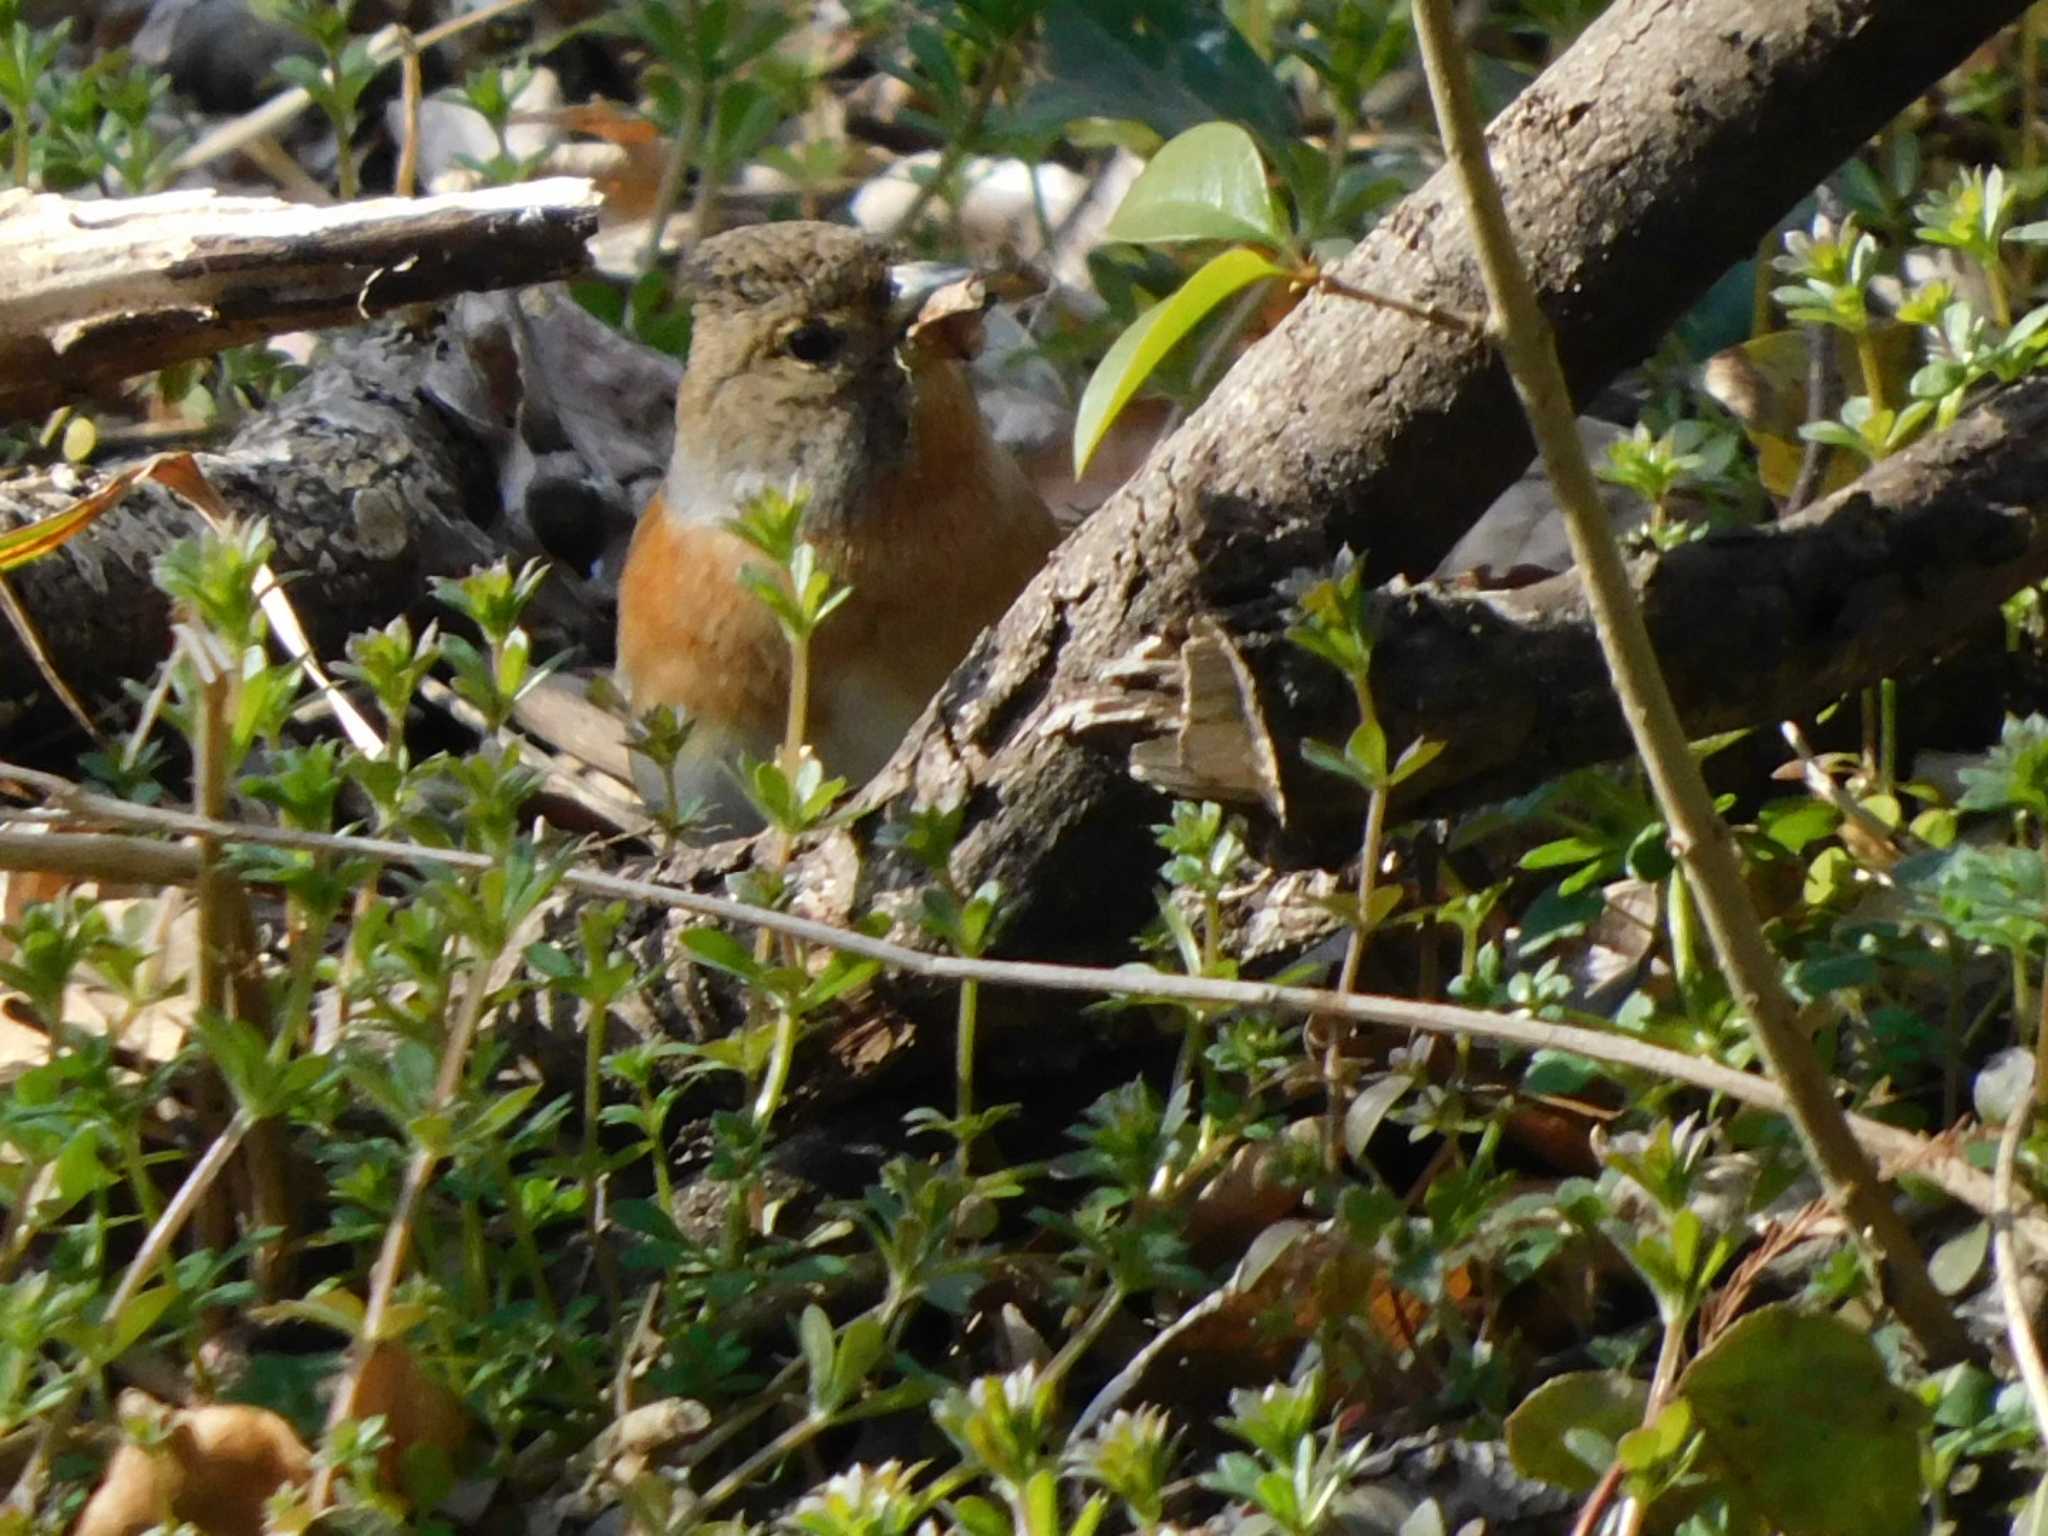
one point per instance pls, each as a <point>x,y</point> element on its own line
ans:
<point>949,323</point>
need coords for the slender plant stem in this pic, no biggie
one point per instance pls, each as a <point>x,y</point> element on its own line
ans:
<point>1872,368</point>
<point>2041,1032</point>
<point>1082,1339</point>
<point>733,1423</point>
<point>668,191</point>
<point>1335,1099</point>
<point>781,1054</point>
<point>963,1067</point>
<point>595,1017</point>
<point>419,1173</point>
<point>1702,841</point>
<point>782,847</point>
<point>960,145</point>
<point>794,1438</point>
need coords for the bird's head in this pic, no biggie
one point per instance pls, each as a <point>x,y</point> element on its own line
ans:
<point>793,372</point>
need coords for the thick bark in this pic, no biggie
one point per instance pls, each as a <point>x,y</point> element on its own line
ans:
<point>1752,628</point>
<point>1662,146</point>
<point>94,292</point>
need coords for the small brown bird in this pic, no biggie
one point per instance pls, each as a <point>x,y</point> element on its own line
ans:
<point>802,373</point>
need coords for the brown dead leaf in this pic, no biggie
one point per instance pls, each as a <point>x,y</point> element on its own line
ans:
<point>214,1467</point>
<point>421,1414</point>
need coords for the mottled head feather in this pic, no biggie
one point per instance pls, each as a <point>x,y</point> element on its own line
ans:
<point>819,266</point>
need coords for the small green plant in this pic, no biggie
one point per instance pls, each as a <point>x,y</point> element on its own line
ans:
<point>335,77</point>
<point>706,95</point>
<point>1656,465</point>
<point>1335,626</point>
<point>27,58</point>
<point>493,94</point>
<point>1293,1478</point>
<point>968,924</point>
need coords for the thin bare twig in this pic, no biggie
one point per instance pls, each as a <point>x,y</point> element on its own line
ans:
<point>1428,314</point>
<point>1902,1150</point>
<point>156,1247</point>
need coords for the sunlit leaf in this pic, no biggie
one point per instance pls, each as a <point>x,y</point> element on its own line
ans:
<point>1207,184</point>
<point>1154,334</point>
<point>1798,1411</point>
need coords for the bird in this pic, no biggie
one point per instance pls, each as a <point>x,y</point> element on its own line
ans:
<point>803,375</point>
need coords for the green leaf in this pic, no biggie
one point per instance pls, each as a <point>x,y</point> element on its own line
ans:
<point>1793,823</point>
<point>2013,773</point>
<point>1798,1410</point>
<point>1042,1501</point>
<point>1369,1107</point>
<point>1154,334</point>
<point>1415,757</point>
<point>337,1309</point>
<point>1320,754</point>
<point>1207,184</point>
<point>814,1333</point>
<point>1090,1519</point>
<point>722,952</point>
<point>978,1516</point>
<point>136,1319</point>
<point>1642,1449</point>
<point>1956,1262</point>
<point>1606,1402</point>
<point>1563,851</point>
<point>1367,750</point>
<point>860,1347</point>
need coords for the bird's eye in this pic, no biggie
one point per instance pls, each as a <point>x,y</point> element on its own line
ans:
<point>814,342</point>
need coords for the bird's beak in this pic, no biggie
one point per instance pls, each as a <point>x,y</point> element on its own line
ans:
<point>912,284</point>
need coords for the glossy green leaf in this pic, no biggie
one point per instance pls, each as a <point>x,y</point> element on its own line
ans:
<point>1207,184</point>
<point>1800,1416</point>
<point>1154,334</point>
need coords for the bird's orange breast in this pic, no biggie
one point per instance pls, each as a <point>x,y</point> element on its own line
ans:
<point>693,637</point>
<point>935,550</point>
